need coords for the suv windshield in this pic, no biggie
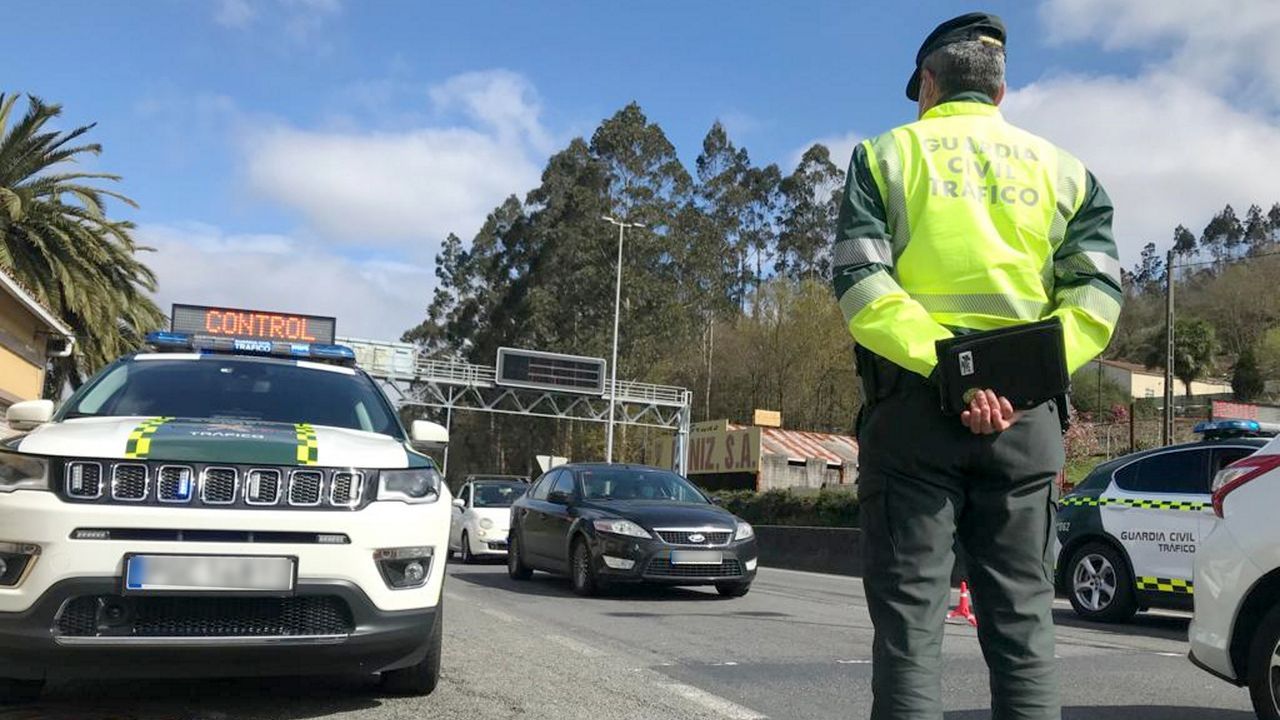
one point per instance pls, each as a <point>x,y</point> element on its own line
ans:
<point>637,484</point>
<point>227,387</point>
<point>497,494</point>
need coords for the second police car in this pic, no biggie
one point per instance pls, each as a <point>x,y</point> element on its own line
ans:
<point>1128,533</point>
<point>222,506</point>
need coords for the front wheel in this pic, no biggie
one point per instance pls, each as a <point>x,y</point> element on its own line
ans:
<point>421,679</point>
<point>733,590</point>
<point>1099,584</point>
<point>516,569</point>
<point>14,692</point>
<point>585,581</point>
<point>1264,667</point>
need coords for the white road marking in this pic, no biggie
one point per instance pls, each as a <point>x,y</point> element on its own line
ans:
<point>714,703</point>
<point>854,662</point>
<point>579,647</point>
<point>1171,654</point>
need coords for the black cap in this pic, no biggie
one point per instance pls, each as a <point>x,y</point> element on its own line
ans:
<point>972,26</point>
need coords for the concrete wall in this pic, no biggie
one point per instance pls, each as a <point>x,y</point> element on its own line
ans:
<point>836,551</point>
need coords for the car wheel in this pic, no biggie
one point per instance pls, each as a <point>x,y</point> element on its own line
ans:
<point>465,551</point>
<point>516,568</point>
<point>421,679</point>
<point>583,572</point>
<point>14,692</point>
<point>1099,584</point>
<point>1264,667</point>
<point>733,590</point>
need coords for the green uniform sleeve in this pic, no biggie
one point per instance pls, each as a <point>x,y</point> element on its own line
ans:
<point>1087,291</point>
<point>880,315</point>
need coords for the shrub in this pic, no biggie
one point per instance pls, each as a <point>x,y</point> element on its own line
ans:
<point>825,508</point>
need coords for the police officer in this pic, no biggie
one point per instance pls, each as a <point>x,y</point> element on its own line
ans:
<point>961,222</point>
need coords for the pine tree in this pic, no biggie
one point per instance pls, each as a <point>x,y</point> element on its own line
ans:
<point>811,200</point>
<point>1255,231</point>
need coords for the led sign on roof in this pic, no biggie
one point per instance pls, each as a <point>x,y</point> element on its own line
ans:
<point>253,324</point>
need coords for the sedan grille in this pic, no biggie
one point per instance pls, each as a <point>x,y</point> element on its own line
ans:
<point>695,537</point>
<point>204,617</point>
<point>662,567</point>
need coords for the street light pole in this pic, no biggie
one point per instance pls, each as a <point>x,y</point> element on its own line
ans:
<point>617,310</point>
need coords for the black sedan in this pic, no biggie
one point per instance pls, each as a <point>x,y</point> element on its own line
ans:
<point>600,524</point>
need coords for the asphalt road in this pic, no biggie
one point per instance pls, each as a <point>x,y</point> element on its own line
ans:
<point>796,647</point>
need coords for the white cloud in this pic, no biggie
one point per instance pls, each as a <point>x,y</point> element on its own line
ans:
<point>234,13</point>
<point>841,147</point>
<point>199,263</point>
<point>1225,45</point>
<point>1166,150</point>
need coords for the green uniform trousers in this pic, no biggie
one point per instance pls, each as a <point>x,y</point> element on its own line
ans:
<point>925,481</point>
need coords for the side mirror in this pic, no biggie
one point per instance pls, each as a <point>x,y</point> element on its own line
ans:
<point>29,415</point>
<point>559,497</point>
<point>717,500</point>
<point>460,503</point>
<point>428,433</point>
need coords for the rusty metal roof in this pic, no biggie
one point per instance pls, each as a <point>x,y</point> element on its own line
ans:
<point>799,445</point>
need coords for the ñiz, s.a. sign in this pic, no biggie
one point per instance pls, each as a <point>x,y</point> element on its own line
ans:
<point>714,450</point>
<point>253,324</point>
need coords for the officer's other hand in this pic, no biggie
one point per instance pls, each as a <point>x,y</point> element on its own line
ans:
<point>989,413</point>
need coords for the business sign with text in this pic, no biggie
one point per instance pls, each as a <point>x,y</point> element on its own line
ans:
<point>253,324</point>
<point>714,451</point>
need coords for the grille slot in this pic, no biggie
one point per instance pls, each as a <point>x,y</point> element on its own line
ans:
<point>208,617</point>
<point>305,487</point>
<point>685,537</point>
<point>219,486</point>
<point>345,489</point>
<point>175,484</point>
<point>262,487</point>
<point>84,480</point>
<point>129,482</point>
<point>662,567</point>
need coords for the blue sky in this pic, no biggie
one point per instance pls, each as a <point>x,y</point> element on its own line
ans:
<point>310,154</point>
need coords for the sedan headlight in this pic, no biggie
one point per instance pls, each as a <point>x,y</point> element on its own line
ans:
<point>417,486</point>
<point>23,472</point>
<point>745,531</point>
<point>621,527</point>
<point>486,523</point>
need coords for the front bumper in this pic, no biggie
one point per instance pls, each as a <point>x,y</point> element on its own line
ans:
<point>494,542</point>
<point>651,560</point>
<point>380,640</point>
<point>1223,576</point>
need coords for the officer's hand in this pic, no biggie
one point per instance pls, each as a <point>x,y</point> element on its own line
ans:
<point>988,414</point>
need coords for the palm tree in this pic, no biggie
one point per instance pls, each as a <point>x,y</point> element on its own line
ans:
<point>56,239</point>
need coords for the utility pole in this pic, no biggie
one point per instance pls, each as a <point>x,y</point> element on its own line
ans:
<point>1167,432</point>
<point>613,365</point>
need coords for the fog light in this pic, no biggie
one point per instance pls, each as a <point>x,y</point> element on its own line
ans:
<point>618,563</point>
<point>751,564</point>
<point>482,533</point>
<point>15,558</point>
<point>404,568</point>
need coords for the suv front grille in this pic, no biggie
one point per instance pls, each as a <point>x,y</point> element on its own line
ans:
<point>230,486</point>
<point>695,537</point>
<point>204,617</point>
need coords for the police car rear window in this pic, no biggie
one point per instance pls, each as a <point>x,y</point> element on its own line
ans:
<point>1183,471</point>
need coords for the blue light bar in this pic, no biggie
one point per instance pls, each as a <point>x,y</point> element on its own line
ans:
<point>169,340</point>
<point>1228,426</point>
<point>185,342</point>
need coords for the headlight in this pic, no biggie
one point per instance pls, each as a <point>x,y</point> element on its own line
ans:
<point>486,523</point>
<point>23,472</point>
<point>745,531</point>
<point>420,485</point>
<point>621,527</point>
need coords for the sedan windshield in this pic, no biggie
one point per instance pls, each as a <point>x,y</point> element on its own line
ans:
<point>497,494</point>
<point>228,387</point>
<point>638,484</point>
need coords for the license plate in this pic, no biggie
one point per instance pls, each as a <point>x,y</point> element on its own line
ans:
<point>184,573</point>
<point>696,557</point>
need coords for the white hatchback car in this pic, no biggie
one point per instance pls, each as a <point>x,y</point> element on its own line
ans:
<point>482,517</point>
<point>1236,631</point>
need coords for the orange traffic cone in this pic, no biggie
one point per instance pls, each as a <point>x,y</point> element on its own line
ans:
<point>964,611</point>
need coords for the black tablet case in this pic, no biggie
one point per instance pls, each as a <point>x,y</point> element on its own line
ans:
<point>1025,363</point>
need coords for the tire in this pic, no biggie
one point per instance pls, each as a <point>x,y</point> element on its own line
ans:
<point>421,679</point>
<point>733,590</point>
<point>464,550</point>
<point>16,692</point>
<point>1264,667</point>
<point>1100,584</point>
<point>582,570</point>
<point>516,568</point>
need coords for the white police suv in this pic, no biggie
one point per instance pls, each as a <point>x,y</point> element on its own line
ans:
<point>221,506</point>
<point>1128,533</point>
